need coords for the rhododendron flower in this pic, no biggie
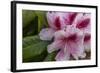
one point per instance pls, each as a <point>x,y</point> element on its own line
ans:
<point>71,32</point>
<point>82,22</point>
<point>56,22</point>
<point>69,42</point>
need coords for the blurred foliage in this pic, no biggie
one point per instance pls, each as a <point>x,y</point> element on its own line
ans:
<point>50,56</point>
<point>34,49</point>
<point>30,40</point>
<point>33,22</point>
<point>42,22</point>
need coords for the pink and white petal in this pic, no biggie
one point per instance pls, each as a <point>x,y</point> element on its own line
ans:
<point>46,34</point>
<point>71,30</point>
<point>80,47</point>
<point>77,19</point>
<point>87,30</point>
<point>67,18</point>
<point>87,19</point>
<point>82,21</point>
<point>76,47</point>
<point>72,17</point>
<point>59,34</point>
<point>75,50</point>
<point>78,51</point>
<point>53,19</point>
<point>62,17</point>
<point>56,45</point>
<point>67,32</point>
<point>50,19</point>
<point>80,34</point>
<point>61,56</point>
<point>57,23</point>
<point>81,51</point>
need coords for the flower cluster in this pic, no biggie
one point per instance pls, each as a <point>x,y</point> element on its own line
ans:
<point>71,34</point>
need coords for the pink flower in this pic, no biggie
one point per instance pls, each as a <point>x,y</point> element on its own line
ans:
<point>69,42</point>
<point>56,21</point>
<point>82,22</point>
<point>71,32</point>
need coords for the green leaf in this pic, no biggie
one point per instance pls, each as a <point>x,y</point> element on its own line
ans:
<point>33,22</point>
<point>27,16</point>
<point>42,21</point>
<point>32,28</point>
<point>34,50</point>
<point>30,40</point>
<point>50,56</point>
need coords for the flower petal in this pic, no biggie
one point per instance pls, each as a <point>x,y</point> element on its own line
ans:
<point>59,34</point>
<point>82,20</point>
<point>83,23</point>
<point>46,34</point>
<point>72,41</point>
<point>75,44</point>
<point>71,30</point>
<point>54,46</point>
<point>61,56</point>
<point>78,48</point>
<point>53,19</point>
<point>72,17</point>
<point>67,18</point>
<point>77,19</point>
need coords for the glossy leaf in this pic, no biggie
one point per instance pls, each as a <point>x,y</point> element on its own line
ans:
<point>30,40</point>
<point>32,28</point>
<point>34,50</point>
<point>42,21</point>
<point>27,17</point>
<point>50,57</point>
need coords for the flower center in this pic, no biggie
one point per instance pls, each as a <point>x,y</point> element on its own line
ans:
<point>70,38</point>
